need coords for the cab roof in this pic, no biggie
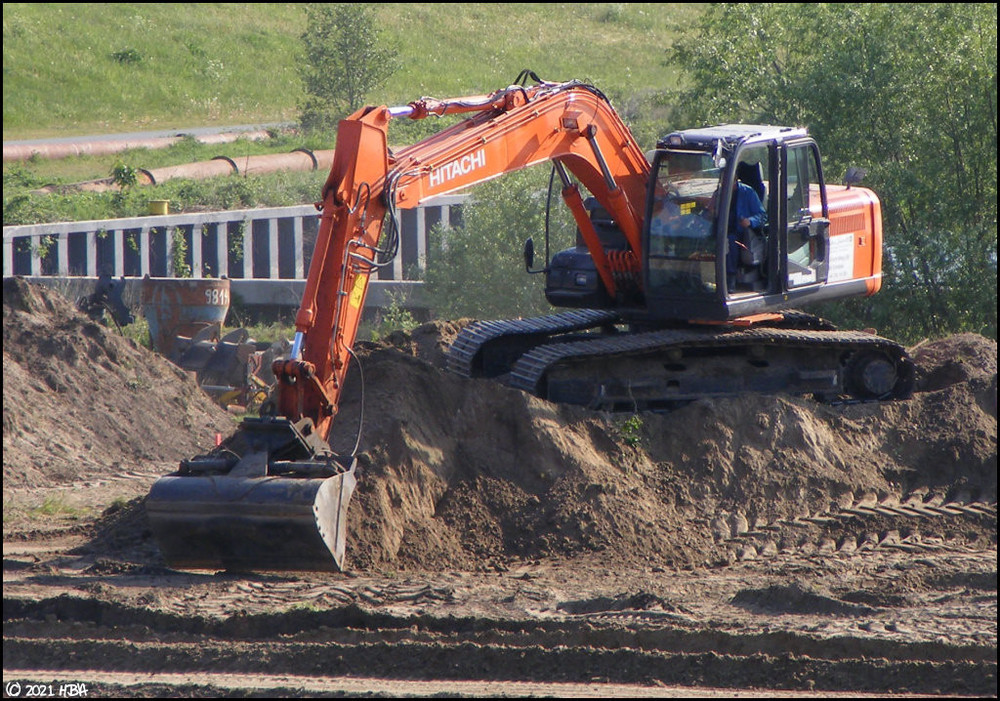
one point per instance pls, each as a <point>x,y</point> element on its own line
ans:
<point>707,138</point>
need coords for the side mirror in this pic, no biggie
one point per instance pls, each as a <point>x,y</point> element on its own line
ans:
<point>854,176</point>
<point>529,255</point>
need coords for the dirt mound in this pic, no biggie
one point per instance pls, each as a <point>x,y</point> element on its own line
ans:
<point>469,474</point>
<point>82,402</point>
<point>461,473</point>
<point>954,360</point>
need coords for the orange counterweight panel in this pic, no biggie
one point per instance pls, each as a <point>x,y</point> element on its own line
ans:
<point>857,212</point>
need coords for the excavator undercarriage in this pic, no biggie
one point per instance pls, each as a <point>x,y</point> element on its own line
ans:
<point>585,358</point>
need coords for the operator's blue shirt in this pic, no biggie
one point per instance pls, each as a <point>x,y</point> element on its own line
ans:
<point>745,205</point>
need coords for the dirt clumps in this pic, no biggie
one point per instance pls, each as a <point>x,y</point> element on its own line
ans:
<point>472,475</point>
<point>954,360</point>
<point>749,543</point>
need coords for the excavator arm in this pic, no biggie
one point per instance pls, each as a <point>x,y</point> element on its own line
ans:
<point>274,496</point>
<point>570,124</point>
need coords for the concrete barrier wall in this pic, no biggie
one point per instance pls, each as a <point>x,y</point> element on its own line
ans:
<point>266,252</point>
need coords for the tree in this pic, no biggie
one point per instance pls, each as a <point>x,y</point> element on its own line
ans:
<point>906,91</point>
<point>477,269</point>
<point>345,59</point>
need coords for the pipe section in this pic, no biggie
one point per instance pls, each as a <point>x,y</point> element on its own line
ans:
<point>297,160</point>
<point>101,147</point>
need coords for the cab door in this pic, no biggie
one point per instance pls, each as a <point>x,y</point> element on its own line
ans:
<point>807,226</point>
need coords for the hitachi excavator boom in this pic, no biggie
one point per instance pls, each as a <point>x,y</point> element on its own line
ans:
<point>274,496</point>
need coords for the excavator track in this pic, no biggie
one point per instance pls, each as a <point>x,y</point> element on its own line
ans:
<point>661,369</point>
<point>580,357</point>
<point>490,348</point>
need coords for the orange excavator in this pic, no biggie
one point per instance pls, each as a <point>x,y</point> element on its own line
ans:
<point>690,262</point>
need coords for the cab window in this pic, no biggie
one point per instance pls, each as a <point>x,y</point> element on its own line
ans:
<point>682,243</point>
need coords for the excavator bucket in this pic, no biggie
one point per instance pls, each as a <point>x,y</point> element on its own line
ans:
<point>253,514</point>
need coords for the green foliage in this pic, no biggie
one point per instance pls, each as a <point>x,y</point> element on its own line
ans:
<point>631,430</point>
<point>138,331</point>
<point>238,192</point>
<point>126,67</point>
<point>117,504</point>
<point>279,331</point>
<point>24,204</point>
<point>127,56</point>
<point>196,69</point>
<point>124,175</point>
<point>24,207</point>
<point>21,176</point>
<point>57,506</point>
<point>179,253</point>
<point>905,91</point>
<point>394,317</point>
<point>613,13</point>
<point>236,241</point>
<point>346,57</point>
<point>43,245</point>
<point>477,270</point>
<point>239,63</point>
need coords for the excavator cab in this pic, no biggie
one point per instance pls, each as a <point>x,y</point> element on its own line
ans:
<point>736,223</point>
<point>683,227</point>
<point>705,184</point>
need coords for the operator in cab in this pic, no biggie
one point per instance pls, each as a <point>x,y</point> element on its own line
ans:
<point>746,214</point>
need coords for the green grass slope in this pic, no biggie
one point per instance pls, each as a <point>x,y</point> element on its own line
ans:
<point>109,68</point>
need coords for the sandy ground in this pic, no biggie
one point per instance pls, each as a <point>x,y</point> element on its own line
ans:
<point>503,546</point>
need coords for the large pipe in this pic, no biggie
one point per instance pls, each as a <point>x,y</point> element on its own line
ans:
<point>196,171</point>
<point>298,160</point>
<point>22,152</point>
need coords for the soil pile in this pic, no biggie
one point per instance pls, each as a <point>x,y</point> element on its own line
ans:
<point>82,402</point>
<point>469,474</point>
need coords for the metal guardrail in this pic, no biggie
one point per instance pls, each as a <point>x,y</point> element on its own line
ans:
<point>265,252</point>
